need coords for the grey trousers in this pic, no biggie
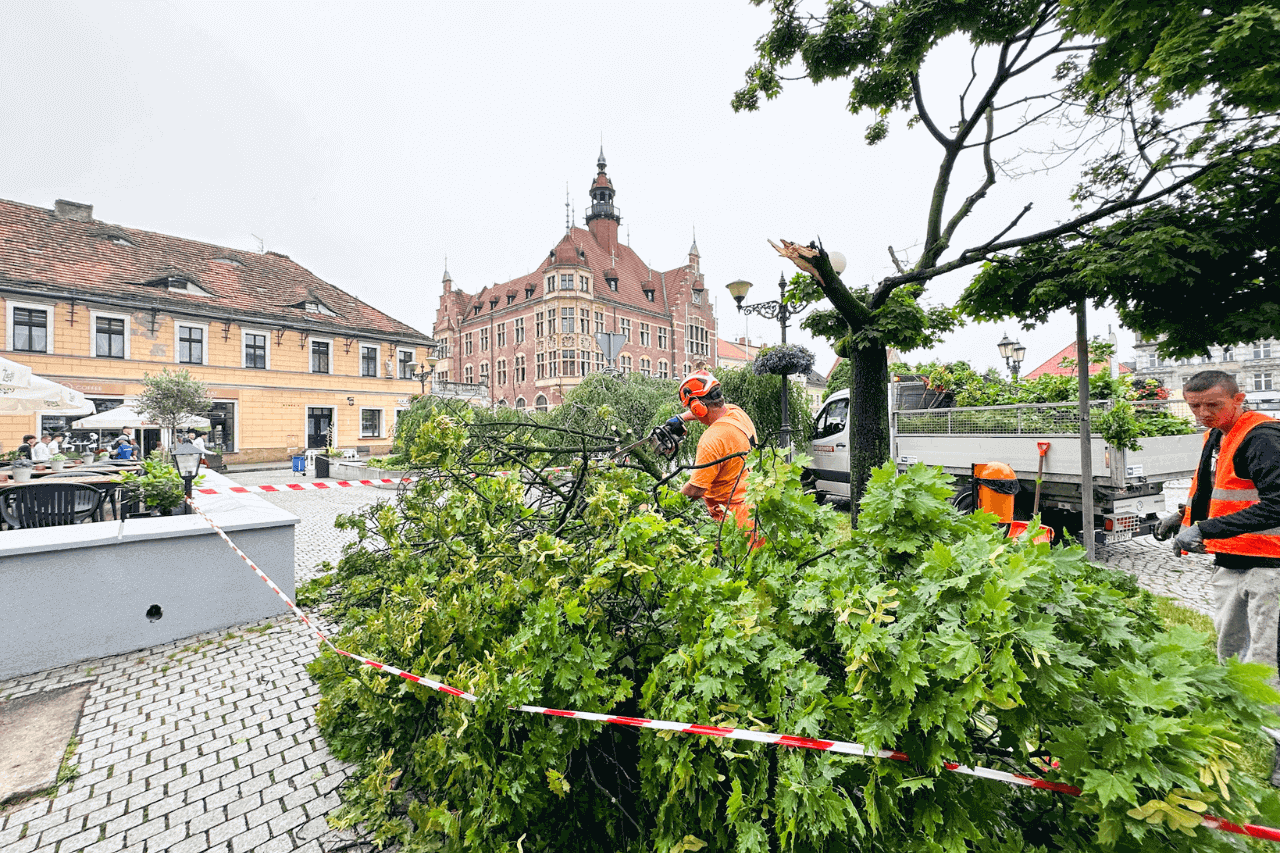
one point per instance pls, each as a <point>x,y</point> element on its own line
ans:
<point>1246,614</point>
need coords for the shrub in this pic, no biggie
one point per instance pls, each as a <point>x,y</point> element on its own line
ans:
<point>925,631</point>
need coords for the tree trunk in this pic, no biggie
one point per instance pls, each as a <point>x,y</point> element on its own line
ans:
<point>869,419</point>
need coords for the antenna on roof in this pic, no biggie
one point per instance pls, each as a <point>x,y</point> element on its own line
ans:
<point>628,235</point>
<point>262,247</point>
<point>568,221</point>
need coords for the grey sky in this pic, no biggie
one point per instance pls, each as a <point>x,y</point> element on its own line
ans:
<point>368,141</point>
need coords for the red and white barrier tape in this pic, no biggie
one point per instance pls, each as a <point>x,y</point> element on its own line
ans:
<point>300,487</point>
<point>329,484</point>
<point>844,747</point>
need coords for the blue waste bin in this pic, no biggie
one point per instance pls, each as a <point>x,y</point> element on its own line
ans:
<point>300,465</point>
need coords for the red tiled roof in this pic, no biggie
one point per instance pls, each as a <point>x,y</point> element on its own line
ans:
<point>1053,365</point>
<point>42,252</point>
<point>728,349</point>
<point>633,275</point>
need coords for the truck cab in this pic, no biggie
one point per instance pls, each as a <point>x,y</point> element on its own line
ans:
<point>828,475</point>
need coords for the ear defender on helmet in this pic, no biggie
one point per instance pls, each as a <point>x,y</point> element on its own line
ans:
<point>699,384</point>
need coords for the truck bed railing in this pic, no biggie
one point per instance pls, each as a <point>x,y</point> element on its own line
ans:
<point>1048,419</point>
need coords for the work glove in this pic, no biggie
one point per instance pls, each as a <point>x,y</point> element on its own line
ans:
<point>1190,539</point>
<point>1168,525</point>
<point>667,437</point>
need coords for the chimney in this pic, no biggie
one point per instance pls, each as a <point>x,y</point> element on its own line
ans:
<point>72,211</point>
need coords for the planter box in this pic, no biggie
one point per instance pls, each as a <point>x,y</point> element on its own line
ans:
<point>322,467</point>
<point>108,575</point>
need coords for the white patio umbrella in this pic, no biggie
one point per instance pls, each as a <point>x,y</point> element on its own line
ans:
<point>14,375</point>
<point>126,416</point>
<point>22,391</point>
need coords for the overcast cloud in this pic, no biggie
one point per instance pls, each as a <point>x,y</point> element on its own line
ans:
<point>369,141</point>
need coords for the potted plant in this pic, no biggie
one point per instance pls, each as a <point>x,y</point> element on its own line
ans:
<point>87,456</point>
<point>22,470</point>
<point>322,461</point>
<point>158,488</point>
<point>57,461</point>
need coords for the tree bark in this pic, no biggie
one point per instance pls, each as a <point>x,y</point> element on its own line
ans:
<point>868,419</point>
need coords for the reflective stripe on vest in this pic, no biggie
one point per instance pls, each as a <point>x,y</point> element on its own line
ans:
<point>1233,493</point>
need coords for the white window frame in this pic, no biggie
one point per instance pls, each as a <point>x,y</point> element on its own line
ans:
<point>382,421</point>
<point>49,323</point>
<point>93,332</point>
<point>377,362</point>
<point>244,362</point>
<point>413,356</point>
<point>178,325</point>
<point>311,364</point>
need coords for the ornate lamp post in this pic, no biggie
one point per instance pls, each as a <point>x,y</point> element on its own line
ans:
<point>778,310</point>
<point>422,372</point>
<point>1013,353</point>
<point>187,458</point>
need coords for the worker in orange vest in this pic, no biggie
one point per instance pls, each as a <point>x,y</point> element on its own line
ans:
<point>1233,512</point>
<point>721,479</point>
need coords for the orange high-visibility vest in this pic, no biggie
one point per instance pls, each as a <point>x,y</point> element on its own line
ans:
<point>1232,493</point>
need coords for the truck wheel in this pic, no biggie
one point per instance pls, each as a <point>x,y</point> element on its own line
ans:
<point>963,501</point>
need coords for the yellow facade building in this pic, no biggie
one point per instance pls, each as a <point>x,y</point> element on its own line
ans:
<point>290,360</point>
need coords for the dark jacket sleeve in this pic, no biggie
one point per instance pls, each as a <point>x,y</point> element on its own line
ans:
<point>1257,459</point>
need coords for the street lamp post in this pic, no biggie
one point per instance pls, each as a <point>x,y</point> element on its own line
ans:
<point>422,372</point>
<point>777,310</point>
<point>187,458</point>
<point>1013,353</point>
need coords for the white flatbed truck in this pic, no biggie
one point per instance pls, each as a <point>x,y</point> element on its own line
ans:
<point>1127,485</point>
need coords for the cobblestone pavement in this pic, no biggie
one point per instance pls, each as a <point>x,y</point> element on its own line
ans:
<point>207,743</point>
<point>210,743</point>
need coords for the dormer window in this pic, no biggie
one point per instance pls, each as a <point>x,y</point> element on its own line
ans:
<point>180,284</point>
<point>476,308</point>
<point>528,291</point>
<point>612,282</point>
<point>511,297</point>
<point>493,302</point>
<point>314,306</point>
<point>231,262</point>
<point>120,241</point>
<point>648,294</point>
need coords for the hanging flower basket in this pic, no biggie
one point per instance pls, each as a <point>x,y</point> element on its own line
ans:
<point>783,360</point>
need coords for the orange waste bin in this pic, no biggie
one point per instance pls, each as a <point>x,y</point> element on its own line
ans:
<point>996,485</point>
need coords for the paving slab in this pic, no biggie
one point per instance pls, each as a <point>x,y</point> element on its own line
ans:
<point>34,733</point>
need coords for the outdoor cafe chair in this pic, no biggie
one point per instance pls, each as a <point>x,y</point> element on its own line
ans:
<point>49,504</point>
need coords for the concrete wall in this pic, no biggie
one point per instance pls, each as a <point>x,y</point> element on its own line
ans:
<point>79,592</point>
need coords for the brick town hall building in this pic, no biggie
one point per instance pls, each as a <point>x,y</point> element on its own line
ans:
<point>532,339</point>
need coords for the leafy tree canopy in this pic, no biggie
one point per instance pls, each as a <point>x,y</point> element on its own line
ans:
<point>1169,107</point>
<point>171,397</point>
<point>928,632</point>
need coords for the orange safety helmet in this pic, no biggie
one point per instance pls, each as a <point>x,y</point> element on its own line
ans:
<point>699,384</point>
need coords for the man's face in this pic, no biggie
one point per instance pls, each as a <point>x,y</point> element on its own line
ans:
<point>45,439</point>
<point>1216,408</point>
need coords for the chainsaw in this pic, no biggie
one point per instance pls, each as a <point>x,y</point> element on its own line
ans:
<point>664,439</point>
